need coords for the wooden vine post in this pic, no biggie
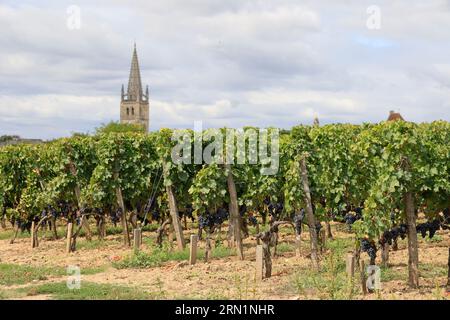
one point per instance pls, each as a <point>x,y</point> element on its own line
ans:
<point>310,214</point>
<point>413,254</point>
<point>235,218</point>
<point>259,263</point>
<point>69,237</point>
<point>34,239</point>
<point>350,265</point>
<point>126,234</point>
<point>137,238</point>
<point>176,224</point>
<point>350,269</point>
<point>193,249</point>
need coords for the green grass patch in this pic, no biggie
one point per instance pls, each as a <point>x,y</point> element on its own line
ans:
<point>110,230</point>
<point>11,274</point>
<point>429,270</point>
<point>341,246</point>
<point>93,270</point>
<point>285,247</point>
<point>327,284</point>
<point>20,274</point>
<point>426,270</point>
<point>391,274</point>
<point>331,282</point>
<point>88,291</point>
<point>8,234</point>
<point>157,256</point>
<point>150,227</point>
<point>436,239</point>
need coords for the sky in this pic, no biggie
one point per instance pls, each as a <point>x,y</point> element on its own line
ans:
<point>227,63</point>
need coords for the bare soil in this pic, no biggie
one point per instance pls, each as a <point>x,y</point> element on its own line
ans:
<point>227,278</point>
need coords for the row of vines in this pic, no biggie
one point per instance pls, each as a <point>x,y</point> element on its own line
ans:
<point>374,177</point>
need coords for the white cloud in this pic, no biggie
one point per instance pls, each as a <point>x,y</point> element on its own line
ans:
<point>228,63</point>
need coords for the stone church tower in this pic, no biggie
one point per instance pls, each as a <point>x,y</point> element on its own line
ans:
<point>134,106</point>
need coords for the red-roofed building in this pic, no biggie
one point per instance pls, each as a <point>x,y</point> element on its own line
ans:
<point>393,116</point>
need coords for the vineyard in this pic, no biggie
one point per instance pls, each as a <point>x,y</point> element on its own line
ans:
<point>343,197</point>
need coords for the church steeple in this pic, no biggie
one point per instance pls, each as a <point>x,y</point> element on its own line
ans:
<point>134,92</point>
<point>134,105</point>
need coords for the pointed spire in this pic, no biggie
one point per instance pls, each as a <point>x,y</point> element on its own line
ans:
<point>146,92</point>
<point>134,83</point>
<point>123,93</point>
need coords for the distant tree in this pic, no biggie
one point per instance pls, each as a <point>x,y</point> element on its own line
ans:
<point>79,134</point>
<point>119,127</point>
<point>6,138</point>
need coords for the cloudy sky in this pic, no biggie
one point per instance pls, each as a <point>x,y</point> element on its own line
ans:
<point>226,63</point>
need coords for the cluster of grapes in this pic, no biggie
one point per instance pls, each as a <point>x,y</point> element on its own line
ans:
<point>213,219</point>
<point>430,227</point>
<point>252,220</point>
<point>391,235</point>
<point>78,220</point>
<point>298,220</point>
<point>242,210</point>
<point>370,248</point>
<point>23,224</point>
<point>318,227</point>
<point>98,211</point>
<point>400,231</point>
<point>156,215</point>
<point>115,215</point>
<point>49,212</point>
<point>64,208</point>
<point>393,217</point>
<point>275,209</point>
<point>188,213</point>
<point>154,212</point>
<point>351,217</point>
